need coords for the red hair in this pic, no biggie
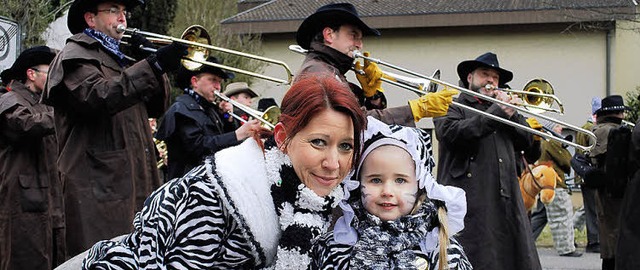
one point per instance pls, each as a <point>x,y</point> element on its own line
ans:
<point>315,93</point>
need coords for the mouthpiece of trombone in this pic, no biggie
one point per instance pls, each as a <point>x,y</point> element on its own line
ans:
<point>120,28</point>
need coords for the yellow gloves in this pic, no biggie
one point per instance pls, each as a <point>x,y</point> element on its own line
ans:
<point>432,104</point>
<point>534,124</point>
<point>370,80</point>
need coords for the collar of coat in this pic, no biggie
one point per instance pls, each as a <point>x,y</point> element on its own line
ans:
<point>245,191</point>
<point>19,92</point>
<point>331,56</point>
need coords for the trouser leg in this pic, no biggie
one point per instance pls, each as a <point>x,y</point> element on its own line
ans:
<point>560,215</point>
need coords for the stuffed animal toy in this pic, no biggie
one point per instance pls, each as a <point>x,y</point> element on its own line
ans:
<point>540,179</point>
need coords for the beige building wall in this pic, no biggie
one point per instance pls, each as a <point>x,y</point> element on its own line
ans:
<point>625,58</point>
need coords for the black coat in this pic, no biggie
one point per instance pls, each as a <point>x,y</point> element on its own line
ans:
<point>193,131</point>
<point>628,254</point>
<point>477,154</point>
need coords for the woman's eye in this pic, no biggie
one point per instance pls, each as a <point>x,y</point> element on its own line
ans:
<point>318,142</point>
<point>346,147</point>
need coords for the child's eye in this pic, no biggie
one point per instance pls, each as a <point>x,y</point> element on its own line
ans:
<point>401,180</point>
<point>375,180</point>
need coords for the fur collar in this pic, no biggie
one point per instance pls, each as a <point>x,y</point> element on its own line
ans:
<point>245,190</point>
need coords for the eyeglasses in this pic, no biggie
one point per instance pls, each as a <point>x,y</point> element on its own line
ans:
<point>116,11</point>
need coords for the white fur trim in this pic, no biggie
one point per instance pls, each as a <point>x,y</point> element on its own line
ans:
<point>244,175</point>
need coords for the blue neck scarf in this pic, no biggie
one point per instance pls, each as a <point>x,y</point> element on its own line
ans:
<point>110,44</point>
<point>190,92</point>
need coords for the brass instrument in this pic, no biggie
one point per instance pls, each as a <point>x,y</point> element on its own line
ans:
<point>269,117</point>
<point>446,85</point>
<point>497,118</point>
<point>199,45</point>
<point>537,95</point>
<point>162,148</point>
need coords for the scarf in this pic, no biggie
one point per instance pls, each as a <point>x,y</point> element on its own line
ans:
<point>330,55</point>
<point>110,44</point>
<point>303,215</point>
<point>391,244</point>
<point>190,92</point>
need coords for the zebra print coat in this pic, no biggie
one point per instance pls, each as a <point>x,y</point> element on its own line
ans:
<point>219,216</point>
<point>330,255</point>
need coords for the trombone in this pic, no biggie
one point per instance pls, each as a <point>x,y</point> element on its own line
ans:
<point>269,117</point>
<point>536,92</point>
<point>490,99</point>
<point>199,44</point>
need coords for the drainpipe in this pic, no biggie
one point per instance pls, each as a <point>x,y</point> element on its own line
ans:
<point>608,61</point>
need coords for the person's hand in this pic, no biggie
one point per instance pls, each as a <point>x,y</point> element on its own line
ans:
<point>511,99</point>
<point>370,80</point>
<point>432,104</point>
<point>168,57</point>
<point>534,124</point>
<point>138,43</point>
<point>248,129</point>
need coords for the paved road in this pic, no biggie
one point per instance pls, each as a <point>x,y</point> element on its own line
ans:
<point>550,260</point>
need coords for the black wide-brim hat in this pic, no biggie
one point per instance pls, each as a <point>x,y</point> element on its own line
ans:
<point>331,14</point>
<point>612,103</point>
<point>487,60</point>
<point>38,55</point>
<point>75,18</point>
<point>183,76</point>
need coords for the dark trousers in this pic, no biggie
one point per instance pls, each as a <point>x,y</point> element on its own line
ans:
<point>538,219</point>
<point>589,201</point>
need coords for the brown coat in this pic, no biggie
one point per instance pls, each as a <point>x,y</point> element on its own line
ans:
<point>107,161</point>
<point>328,61</point>
<point>31,214</point>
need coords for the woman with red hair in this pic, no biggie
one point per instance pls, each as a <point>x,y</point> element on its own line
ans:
<point>264,212</point>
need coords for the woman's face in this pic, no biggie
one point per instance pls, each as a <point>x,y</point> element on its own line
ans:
<point>321,152</point>
<point>388,182</point>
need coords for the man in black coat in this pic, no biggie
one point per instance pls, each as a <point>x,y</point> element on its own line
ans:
<point>477,154</point>
<point>194,127</point>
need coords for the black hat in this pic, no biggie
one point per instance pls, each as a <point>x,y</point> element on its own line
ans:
<point>6,76</point>
<point>75,18</point>
<point>488,60</point>
<point>342,13</point>
<point>39,55</point>
<point>612,103</point>
<point>183,76</point>
<point>265,103</point>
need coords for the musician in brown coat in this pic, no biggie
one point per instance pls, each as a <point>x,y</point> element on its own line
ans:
<point>31,206</point>
<point>330,35</point>
<point>102,102</point>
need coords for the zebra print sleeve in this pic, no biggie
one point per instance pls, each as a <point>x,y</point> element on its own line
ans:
<point>183,225</point>
<point>456,258</point>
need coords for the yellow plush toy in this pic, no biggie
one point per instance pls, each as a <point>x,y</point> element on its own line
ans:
<point>541,179</point>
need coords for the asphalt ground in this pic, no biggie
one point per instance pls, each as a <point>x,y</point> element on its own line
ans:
<point>550,259</point>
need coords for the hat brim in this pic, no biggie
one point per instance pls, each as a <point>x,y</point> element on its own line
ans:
<point>183,76</point>
<point>240,90</point>
<point>75,18</point>
<point>466,67</point>
<point>317,21</point>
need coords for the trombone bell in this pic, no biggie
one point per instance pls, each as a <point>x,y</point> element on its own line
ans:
<point>538,86</point>
<point>271,115</point>
<point>198,34</point>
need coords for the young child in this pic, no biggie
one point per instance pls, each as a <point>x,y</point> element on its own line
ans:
<point>395,216</point>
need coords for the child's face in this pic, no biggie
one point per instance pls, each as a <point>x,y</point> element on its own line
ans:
<point>388,182</point>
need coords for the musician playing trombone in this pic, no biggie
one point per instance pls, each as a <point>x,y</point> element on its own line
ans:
<point>330,35</point>
<point>477,154</point>
<point>194,126</point>
<point>102,101</point>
